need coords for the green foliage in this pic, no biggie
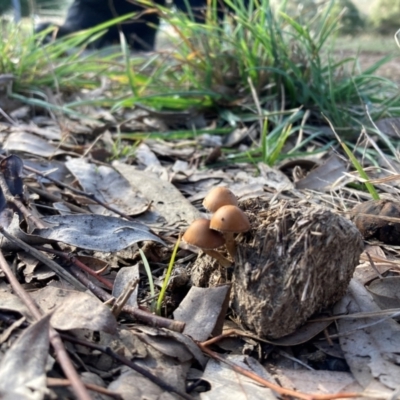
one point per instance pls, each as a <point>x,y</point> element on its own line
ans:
<point>261,57</point>
<point>385,16</point>
<point>262,67</point>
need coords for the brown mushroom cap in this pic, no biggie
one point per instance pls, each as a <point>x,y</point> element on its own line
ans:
<point>230,219</point>
<point>218,197</point>
<point>200,235</point>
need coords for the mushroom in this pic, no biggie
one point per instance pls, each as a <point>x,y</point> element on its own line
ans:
<point>218,197</point>
<point>200,235</point>
<point>230,220</point>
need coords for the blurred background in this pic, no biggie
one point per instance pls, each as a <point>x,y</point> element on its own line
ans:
<point>367,16</point>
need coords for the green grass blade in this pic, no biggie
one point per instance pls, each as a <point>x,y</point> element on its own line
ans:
<point>167,276</point>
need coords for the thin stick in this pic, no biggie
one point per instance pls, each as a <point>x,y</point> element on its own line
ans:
<point>52,197</point>
<point>136,313</point>
<point>276,388</point>
<point>121,301</point>
<point>62,355</point>
<point>72,259</point>
<point>58,382</point>
<point>41,257</point>
<point>106,350</point>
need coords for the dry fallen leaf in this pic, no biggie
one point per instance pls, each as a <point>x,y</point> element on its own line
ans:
<point>75,310</point>
<point>27,143</point>
<point>109,186</point>
<point>96,232</point>
<point>370,345</point>
<point>166,198</point>
<point>324,175</point>
<point>386,292</point>
<point>134,386</point>
<point>228,384</point>
<point>203,310</point>
<point>22,369</point>
<point>321,382</point>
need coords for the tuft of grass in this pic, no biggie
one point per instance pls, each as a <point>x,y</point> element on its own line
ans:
<point>289,64</point>
<point>259,68</point>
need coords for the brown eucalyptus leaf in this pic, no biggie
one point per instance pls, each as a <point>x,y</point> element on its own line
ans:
<point>319,382</point>
<point>11,302</point>
<point>203,310</point>
<point>302,334</point>
<point>133,386</point>
<point>96,232</point>
<point>164,336</point>
<point>228,384</point>
<point>22,369</point>
<point>371,352</point>
<point>165,197</point>
<point>109,186</point>
<point>75,310</point>
<point>324,175</point>
<point>386,292</point>
<point>28,143</point>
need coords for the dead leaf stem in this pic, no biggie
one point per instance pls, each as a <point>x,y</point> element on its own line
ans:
<point>62,355</point>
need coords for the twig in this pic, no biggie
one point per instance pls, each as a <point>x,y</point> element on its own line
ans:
<point>106,350</point>
<point>55,340</point>
<point>276,388</point>
<point>41,257</point>
<point>10,320</point>
<point>371,261</point>
<point>234,332</point>
<point>72,259</point>
<point>124,297</point>
<point>136,313</point>
<point>57,382</point>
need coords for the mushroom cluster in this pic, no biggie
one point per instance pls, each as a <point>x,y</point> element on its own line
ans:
<point>227,220</point>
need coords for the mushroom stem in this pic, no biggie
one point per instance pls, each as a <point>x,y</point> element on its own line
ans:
<point>219,257</point>
<point>230,244</point>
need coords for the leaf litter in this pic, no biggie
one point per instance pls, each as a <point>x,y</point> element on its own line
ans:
<point>91,219</point>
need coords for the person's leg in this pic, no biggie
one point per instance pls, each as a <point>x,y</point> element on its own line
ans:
<point>85,14</point>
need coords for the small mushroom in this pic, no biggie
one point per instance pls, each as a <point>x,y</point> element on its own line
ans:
<point>230,220</point>
<point>218,197</point>
<point>200,235</point>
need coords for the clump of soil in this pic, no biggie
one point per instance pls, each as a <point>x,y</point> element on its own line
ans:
<point>296,260</point>
<point>368,219</point>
